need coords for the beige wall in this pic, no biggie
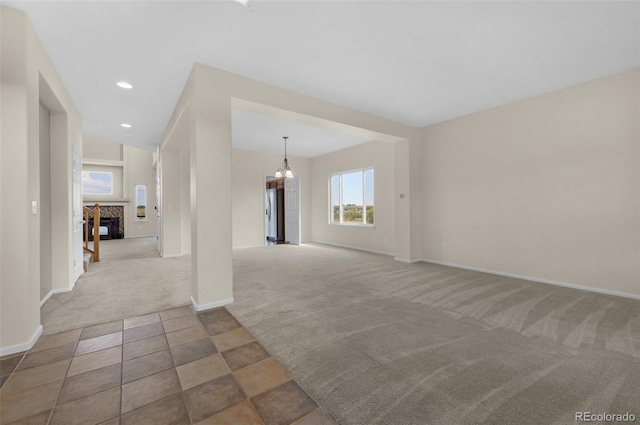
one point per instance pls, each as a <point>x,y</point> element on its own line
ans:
<point>46,284</point>
<point>140,170</point>
<point>185,201</point>
<point>248,191</point>
<point>28,77</point>
<point>99,148</point>
<point>130,166</point>
<point>547,187</point>
<point>380,156</point>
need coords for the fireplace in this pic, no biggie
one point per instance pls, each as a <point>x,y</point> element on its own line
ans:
<point>109,228</point>
<point>111,222</point>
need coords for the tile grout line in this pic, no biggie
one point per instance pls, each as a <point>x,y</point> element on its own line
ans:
<point>55,404</point>
<point>289,373</point>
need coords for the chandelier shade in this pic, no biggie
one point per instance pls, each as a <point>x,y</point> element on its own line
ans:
<point>284,169</point>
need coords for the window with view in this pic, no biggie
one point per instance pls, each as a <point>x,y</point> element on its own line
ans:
<point>97,183</point>
<point>141,202</point>
<point>351,198</point>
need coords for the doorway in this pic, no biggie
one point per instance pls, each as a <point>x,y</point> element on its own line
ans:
<point>281,210</point>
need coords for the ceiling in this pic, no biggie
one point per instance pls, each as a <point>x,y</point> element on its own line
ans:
<point>256,132</point>
<point>416,62</point>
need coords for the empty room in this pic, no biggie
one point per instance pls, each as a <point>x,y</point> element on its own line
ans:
<point>319,212</point>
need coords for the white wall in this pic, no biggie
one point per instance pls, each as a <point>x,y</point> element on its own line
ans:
<point>130,166</point>
<point>248,189</point>
<point>28,77</point>
<point>547,187</point>
<point>376,154</point>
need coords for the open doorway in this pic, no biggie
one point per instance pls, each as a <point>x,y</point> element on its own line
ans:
<point>281,210</point>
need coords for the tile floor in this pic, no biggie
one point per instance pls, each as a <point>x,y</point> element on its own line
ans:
<point>171,367</point>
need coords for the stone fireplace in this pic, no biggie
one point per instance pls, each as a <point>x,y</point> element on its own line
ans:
<point>111,222</point>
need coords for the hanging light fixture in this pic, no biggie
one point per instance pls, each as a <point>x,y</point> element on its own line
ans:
<point>285,164</point>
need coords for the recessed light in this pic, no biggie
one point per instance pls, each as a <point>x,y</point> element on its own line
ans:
<point>126,125</point>
<point>124,85</point>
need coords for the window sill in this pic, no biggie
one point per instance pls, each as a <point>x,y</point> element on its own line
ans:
<point>365,226</point>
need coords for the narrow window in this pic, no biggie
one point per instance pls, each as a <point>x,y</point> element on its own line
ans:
<point>351,200</point>
<point>141,202</point>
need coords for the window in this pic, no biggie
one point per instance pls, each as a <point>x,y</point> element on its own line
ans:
<point>351,198</point>
<point>97,183</point>
<point>141,202</point>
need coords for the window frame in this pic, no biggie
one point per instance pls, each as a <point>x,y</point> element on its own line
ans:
<point>97,194</point>
<point>146,201</point>
<point>364,224</point>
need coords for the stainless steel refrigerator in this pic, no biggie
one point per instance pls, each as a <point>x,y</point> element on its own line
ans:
<point>274,215</point>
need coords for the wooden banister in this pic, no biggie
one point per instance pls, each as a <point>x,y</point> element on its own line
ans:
<point>96,231</point>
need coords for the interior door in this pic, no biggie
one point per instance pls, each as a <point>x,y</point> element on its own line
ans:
<point>292,210</point>
<point>78,216</point>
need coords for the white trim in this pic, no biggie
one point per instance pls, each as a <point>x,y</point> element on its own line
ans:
<point>537,279</point>
<point>207,306</point>
<point>171,255</point>
<point>404,260</point>
<point>373,251</point>
<point>140,236</point>
<point>12,349</point>
<point>103,162</point>
<point>55,291</point>
<point>248,247</point>
<point>46,298</point>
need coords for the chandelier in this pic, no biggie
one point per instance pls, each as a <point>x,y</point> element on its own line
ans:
<point>284,169</point>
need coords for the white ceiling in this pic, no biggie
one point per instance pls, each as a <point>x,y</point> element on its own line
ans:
<point>416,62</point>
<point>262,133</point>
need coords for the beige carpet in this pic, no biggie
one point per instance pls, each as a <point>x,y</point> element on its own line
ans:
<point>130,279</point>
<point>375,341</point>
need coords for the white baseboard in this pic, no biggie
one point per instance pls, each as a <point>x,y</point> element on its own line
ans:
<point>171,255</point>
<point>54,291</point>
<point>357,248</point>
<point>46,298</point>
<point>207,306</point>
<point>404,260</point>
<point>17,348</point>
<point>537,279</point>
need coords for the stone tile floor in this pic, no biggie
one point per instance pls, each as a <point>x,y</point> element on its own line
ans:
<point>170,367</point>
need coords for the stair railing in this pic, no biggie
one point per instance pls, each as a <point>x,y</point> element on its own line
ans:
<point>95,212</point>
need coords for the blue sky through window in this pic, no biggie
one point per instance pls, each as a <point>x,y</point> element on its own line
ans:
<point>141,195</point>
<point>97,183</point>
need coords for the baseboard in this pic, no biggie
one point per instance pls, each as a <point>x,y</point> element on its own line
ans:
<point>404,260</point>
<point>536,279</point>
<point>17,348</point>
<point>46,298</point>
<point>207,306</point>
<point>54,291</point>
<point>357,248</point>
<point>171,255</point>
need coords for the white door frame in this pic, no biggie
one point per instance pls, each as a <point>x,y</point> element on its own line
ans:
<point>265,176</point>
<point>78,215</point>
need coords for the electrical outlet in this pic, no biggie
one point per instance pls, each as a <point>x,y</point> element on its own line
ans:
<point>444,245</point>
